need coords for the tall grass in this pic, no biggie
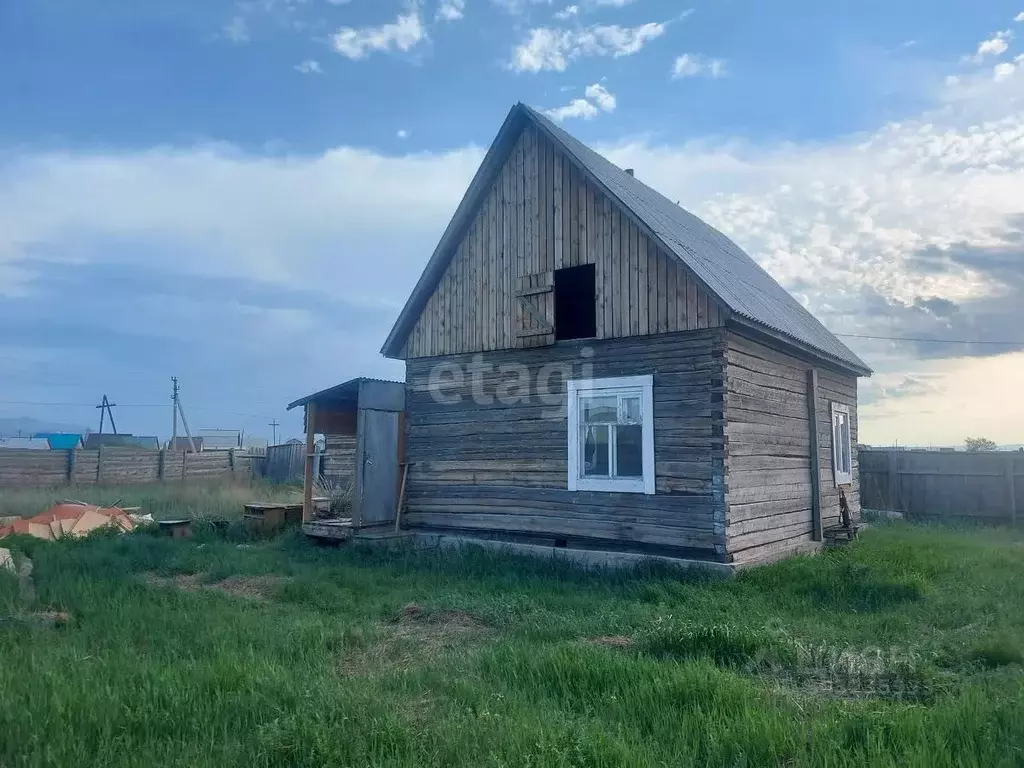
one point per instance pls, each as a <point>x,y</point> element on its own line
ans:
<point>896,651</point>
<point>217,501</point>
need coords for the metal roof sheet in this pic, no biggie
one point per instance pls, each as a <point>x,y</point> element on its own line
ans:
<point>347,391</point>
<point>25,443</point>
<point>728,272</point>
<point>61,441</point>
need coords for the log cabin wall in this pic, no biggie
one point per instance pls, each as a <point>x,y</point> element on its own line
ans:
<point>339,462</point>
<point>541,215</point>
<point>487,467</point>
<point>768,445</point>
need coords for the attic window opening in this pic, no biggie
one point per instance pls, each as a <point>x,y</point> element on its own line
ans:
<point>576,303</point>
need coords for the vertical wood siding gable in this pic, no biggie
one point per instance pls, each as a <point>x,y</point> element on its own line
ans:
<point>542,214</point>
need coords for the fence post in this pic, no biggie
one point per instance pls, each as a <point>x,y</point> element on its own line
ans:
<point>894,482</point>
<point>184,465</point>
<point>99,464</point>
<point>161,465</point>
<point>1011,491</point>
<point>71,466</point>
<point>231,461</point>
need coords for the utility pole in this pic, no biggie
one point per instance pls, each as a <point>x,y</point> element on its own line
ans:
<point>174,411</point>
<point>275,425</point>
<point>105,407</point>
<point>178,410</point>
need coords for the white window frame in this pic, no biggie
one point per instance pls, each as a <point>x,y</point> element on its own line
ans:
<point>644,385</point>
<point>842,477</point>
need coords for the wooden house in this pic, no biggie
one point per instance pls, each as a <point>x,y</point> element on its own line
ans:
<point>588,365</point>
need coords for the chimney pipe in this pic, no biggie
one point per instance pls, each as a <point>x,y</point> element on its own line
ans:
<point>630,171</point>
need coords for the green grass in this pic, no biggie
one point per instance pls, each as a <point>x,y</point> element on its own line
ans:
<point>216,501</point>
<point>903,649</point>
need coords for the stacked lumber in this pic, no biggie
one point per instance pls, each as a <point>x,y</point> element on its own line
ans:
<point>70,519</point>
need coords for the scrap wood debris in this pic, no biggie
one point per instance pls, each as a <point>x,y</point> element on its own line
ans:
<point>73,519</point>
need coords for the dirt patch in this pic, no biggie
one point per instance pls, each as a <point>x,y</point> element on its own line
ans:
<point>612,641</point>
<point>250,587</point>
<point>414,636</point>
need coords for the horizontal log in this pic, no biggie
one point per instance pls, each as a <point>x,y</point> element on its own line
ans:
<point>555,526</point>
<point>793,516</point>
<point>740,464</point>
<point>737,544</point>
<point>788,502</point>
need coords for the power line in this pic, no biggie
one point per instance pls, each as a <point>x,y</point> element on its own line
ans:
<point>930,341</point>
<point>131,405</point>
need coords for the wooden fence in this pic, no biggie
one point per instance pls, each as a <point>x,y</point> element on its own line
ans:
<point>113,465</point>
<point>285,463</point>
<point>986,486</point>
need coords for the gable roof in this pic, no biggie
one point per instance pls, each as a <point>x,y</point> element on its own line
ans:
<point>739,283</point>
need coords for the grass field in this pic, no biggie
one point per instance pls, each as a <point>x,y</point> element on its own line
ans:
<point>904,649</point>
<point>216,501</point>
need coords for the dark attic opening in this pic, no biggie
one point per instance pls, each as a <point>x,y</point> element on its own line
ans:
<point>575,303</point>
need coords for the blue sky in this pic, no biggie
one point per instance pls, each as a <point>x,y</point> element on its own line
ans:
<point>242,192</point>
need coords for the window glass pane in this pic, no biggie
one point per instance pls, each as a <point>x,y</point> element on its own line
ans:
<point>629,410</point>
<point>837,441</point>
<point>595,451</point>
<point>629,450</point>
<point>599,410</point>
<point>847,448</point>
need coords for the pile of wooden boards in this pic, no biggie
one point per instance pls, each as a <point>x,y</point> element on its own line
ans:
<point>70,519</point>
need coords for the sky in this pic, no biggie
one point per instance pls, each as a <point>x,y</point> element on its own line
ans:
<point>242,193</point>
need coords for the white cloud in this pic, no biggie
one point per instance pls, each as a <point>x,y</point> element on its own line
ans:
<point>568,12</point>
<point>840,222</point>
<point>696,65</point>
<point>598,99</point>
<point>553,49</point>
<point>401,35</point>
<point>236,30</point>
<point>402,134</point>
<point>577,108</point>
<point>1003,71</point>
<point>451,10</point>
<point>598,94</point>
<point>614,3</point>
<point>1019,17</point>
<point>994,46</point>
<point>309,67</point>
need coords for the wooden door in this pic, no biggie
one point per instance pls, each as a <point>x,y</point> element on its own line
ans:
<point>376,484</point>
<point>535,309</point>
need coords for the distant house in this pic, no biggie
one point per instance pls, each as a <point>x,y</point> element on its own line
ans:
<point>588,365</point>
<point>61,441</point>
<point>220,439</point>
<point>95,439</point>
<point>149,442</point>
<point>25,443</point>
<point>182,445</point>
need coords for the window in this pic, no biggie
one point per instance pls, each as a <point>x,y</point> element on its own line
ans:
<point>611,435</point>
<point>842,455</point>
<point>575,303</point>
